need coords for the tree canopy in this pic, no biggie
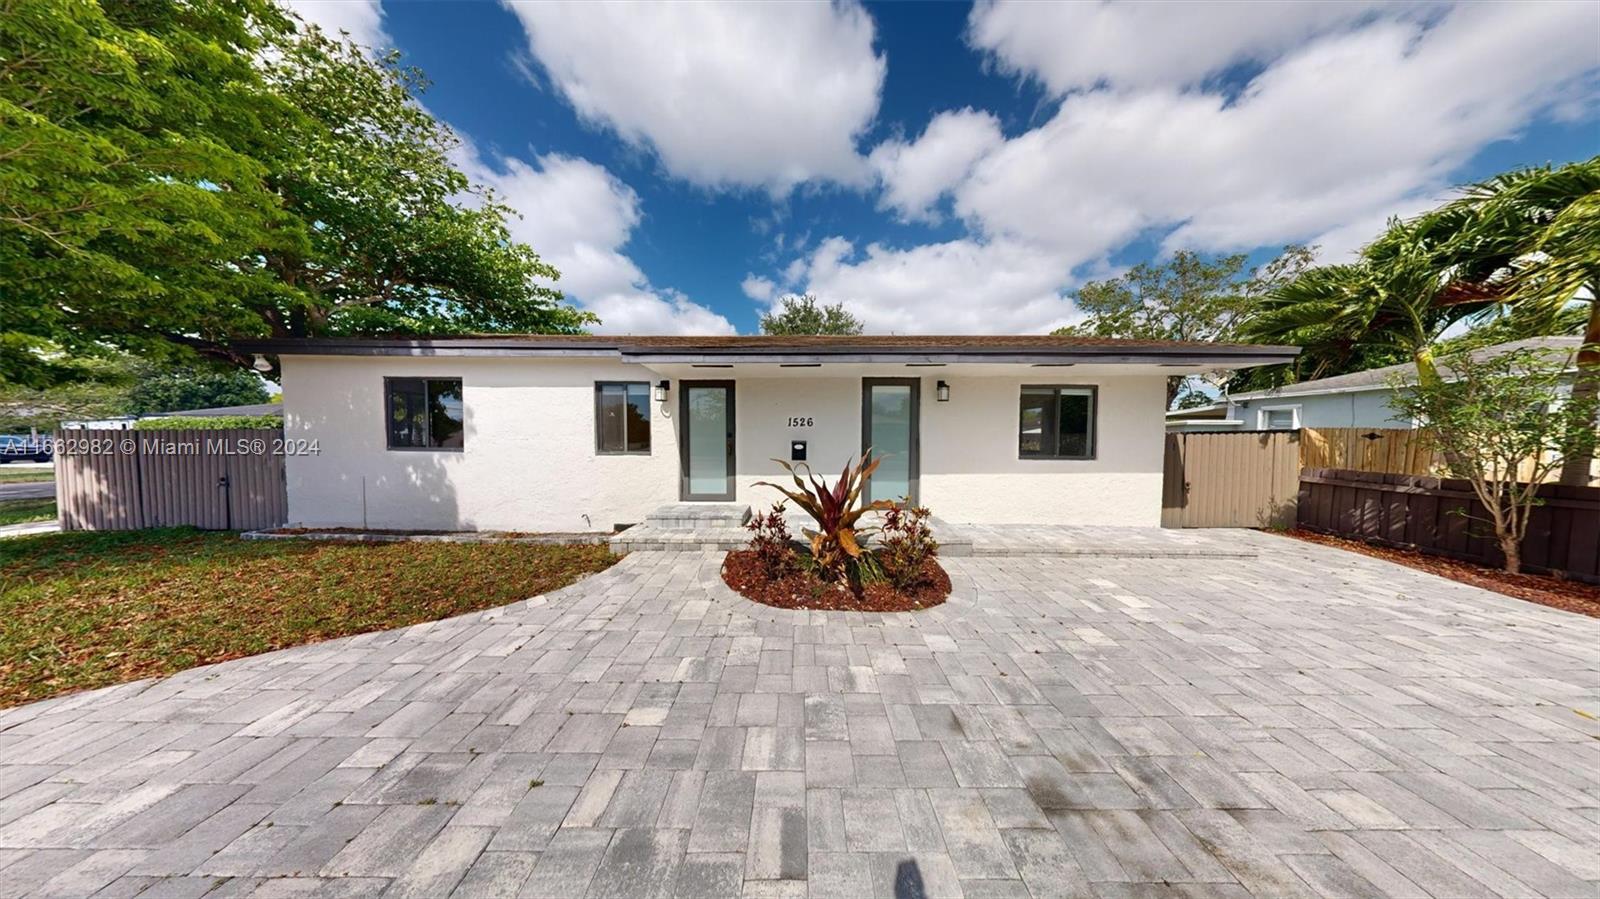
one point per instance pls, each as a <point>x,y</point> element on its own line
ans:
<point>1188,297</point>
<point>193,387</point>
<point>802,314</point>
<point>174,176</point>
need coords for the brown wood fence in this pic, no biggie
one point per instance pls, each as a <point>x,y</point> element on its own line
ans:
<point>1387,450</point>
<point>1442,516</point>
<point>1392,450</point>
<point>1231,480</point>
<point>223,479</point>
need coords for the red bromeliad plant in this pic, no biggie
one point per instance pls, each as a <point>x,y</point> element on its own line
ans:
<point>836,544</point>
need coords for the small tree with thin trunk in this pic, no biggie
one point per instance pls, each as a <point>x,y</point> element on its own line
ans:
<point>1502,424</point>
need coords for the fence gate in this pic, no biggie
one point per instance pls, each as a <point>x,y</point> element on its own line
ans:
<point>223,479</point>
<point>1231,480</point>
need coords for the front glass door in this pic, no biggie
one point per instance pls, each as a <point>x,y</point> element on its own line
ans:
<point>707,461</point>
<point>889,428</point>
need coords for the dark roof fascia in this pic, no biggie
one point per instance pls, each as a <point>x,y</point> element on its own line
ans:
<point>452,346</point>
<point>645,353</point>
<point>1175,357</point>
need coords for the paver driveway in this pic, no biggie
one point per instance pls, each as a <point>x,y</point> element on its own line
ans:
<point>1308,722</point>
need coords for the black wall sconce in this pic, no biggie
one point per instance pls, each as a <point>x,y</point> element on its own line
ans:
<point>942,391</point>
<point>661,390</point>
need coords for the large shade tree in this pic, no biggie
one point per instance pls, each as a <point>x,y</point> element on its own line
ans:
<point>177,175</point>
<point>1187,297</point>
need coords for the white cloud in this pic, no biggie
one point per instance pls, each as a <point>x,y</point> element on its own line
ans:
<point>1073,46</point>
<point>578,217</point>
<point>727,94</point>
<point>957,287</point>
<point>1350,126</point>
<point>758,288</point>
<point>1336,132</point>
<point>656,312</point>
<point>915,175</point>
<point>361,19</point>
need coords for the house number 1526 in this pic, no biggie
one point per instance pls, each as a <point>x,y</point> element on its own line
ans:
<point>800,421</point>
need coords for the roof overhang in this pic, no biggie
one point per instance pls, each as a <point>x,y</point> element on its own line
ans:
<point>646,352</point>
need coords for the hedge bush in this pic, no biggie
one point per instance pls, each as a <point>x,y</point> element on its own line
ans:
<point>216,422</point>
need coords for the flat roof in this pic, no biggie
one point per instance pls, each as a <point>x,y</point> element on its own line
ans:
<point>772,348</point>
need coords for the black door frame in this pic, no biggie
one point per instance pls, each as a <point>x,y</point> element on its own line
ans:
<point>914,468</point>
<point>727,495</point>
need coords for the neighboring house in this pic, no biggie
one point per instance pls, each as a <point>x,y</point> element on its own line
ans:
<point>251,410</point>
<point>1356,400</point>
<point>561,433</point>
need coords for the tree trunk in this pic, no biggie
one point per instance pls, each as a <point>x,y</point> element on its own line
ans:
<point>1427,371</point>
<point>1586,386</point>
<point>1511,547</point>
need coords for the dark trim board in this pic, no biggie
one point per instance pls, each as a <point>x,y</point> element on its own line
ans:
<point>1021,350</point>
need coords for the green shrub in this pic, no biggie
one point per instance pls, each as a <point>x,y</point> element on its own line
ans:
<point>836,544</point>
<point>771,542</point>
<point>905,544</point>
<point>210,423</point>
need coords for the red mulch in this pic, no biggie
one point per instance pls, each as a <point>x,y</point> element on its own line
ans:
<point>803,590</point>
<point>1558,593</point>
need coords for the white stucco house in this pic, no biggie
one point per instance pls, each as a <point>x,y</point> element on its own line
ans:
<point>1355,400</point>
<point>580,433</point>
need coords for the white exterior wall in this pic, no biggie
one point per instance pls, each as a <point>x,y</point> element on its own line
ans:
<point>529,461</point>
<point>971,472</point>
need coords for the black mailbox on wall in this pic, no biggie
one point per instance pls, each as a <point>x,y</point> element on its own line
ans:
<point>797,451</point>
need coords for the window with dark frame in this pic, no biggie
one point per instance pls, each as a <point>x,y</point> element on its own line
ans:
<point>622,418</point>
<point>425,413</point>
<point>1056,422</point>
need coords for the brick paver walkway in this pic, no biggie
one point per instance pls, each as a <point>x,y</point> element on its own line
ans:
<point>1304,723</point>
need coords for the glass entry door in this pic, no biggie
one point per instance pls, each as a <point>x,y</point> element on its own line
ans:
<point>705,415</point>
<point>889,422</point>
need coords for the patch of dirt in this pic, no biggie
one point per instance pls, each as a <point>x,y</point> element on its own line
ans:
<point>802,590</point>
<point>1558,593</point>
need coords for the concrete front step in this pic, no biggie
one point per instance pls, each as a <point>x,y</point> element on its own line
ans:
<point>699,516</point>
<point>650,537</point>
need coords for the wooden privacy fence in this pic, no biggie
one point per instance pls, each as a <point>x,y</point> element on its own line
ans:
<point>1231,480</point>
<point>1387,450</point>
<point>1392,450</point>
<point>223,479</point>
<point>1442,516</point>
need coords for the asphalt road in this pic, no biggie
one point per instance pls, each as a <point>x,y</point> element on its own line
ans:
<point>31,490</point>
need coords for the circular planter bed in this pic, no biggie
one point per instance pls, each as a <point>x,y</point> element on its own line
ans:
<point>803,590</point>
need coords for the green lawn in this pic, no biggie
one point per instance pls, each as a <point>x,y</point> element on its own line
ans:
<point>17,511</point>
<point>9,475</point>
<point>87,609</point>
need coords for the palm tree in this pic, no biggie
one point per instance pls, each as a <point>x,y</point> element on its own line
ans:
<point>1531,239</point>
<point>1392,304</point>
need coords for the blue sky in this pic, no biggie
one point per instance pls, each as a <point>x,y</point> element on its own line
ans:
<point>949,168</point>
